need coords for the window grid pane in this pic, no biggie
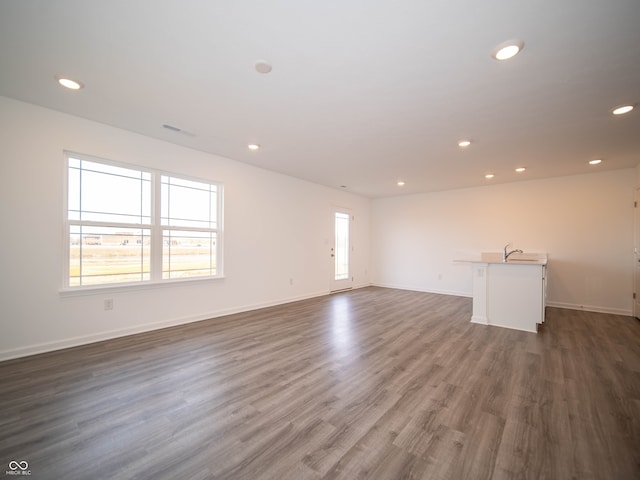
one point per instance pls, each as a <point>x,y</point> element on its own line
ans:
<point>188,254</point>
<point>187,203</point>
<point>100,255</point>
<point>104,193</point>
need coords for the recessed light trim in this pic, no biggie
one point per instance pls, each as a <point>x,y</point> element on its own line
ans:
<point>489,176</point>
<point>520,169</point>
<point>507,50</point>
<point>464,143</point>
<point>69,83</point>
<point>400,183</point>
<point>263,66</point>
<point>253,147</point>
<point>595,161</point>
<point>622,109</point>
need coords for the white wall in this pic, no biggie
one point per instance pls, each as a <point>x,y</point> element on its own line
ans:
<point>276,228</point>
<point>584,223</point>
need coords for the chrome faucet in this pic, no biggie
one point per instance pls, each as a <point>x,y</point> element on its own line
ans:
<point>505,255</point>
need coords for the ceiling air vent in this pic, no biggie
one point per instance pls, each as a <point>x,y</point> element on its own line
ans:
<point>178,130</point>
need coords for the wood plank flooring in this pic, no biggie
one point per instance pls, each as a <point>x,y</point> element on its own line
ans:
<point>369,384</point>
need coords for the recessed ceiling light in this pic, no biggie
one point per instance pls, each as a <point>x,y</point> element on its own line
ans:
<point>70,84</point>
<point>621,110</point>
<point>464,143</point>
<point>401,183</point>
<point>507,49</point>
<point>253,146</point>
<point>262,67</point>
<point>520,169</point>
<point>489,176</point>
<point>595,162</point>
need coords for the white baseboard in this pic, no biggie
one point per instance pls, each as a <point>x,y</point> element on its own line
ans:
<point>481,320</point>
<point>592,308</point>
<point>511,327</point>
<point>570,306</point>
<point>123,332</point>
<point>422,289</point>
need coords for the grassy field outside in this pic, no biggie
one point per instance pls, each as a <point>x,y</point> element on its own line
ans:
<point>97,264</point>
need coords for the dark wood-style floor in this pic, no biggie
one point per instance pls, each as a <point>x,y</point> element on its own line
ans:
<point>368,384</point>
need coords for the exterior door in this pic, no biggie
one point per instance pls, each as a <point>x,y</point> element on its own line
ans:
<point>636,255</point>
<point>341,278</point>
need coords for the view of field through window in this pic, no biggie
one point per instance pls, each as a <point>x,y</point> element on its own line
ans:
<point>117,234</point>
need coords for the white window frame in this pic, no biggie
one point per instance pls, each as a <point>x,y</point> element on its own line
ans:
<point>156,228</point>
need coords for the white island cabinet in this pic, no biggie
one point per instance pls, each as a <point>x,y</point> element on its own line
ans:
<point>510,294</point>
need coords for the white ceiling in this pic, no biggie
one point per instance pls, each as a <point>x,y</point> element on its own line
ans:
<point>363,93</point>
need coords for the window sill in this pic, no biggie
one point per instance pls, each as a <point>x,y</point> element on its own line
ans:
<point>130,287</point>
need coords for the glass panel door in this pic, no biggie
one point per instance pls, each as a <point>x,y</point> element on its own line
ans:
<point>341,251</point>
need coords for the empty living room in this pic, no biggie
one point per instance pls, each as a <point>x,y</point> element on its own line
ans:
<point>320,240</point>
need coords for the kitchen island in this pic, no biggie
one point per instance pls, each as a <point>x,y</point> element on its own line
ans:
<point>510,294</point>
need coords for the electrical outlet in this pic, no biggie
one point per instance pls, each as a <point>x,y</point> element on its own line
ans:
<point>108,304</point>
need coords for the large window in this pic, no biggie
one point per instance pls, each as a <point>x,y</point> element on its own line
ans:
<point>129,224</point>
